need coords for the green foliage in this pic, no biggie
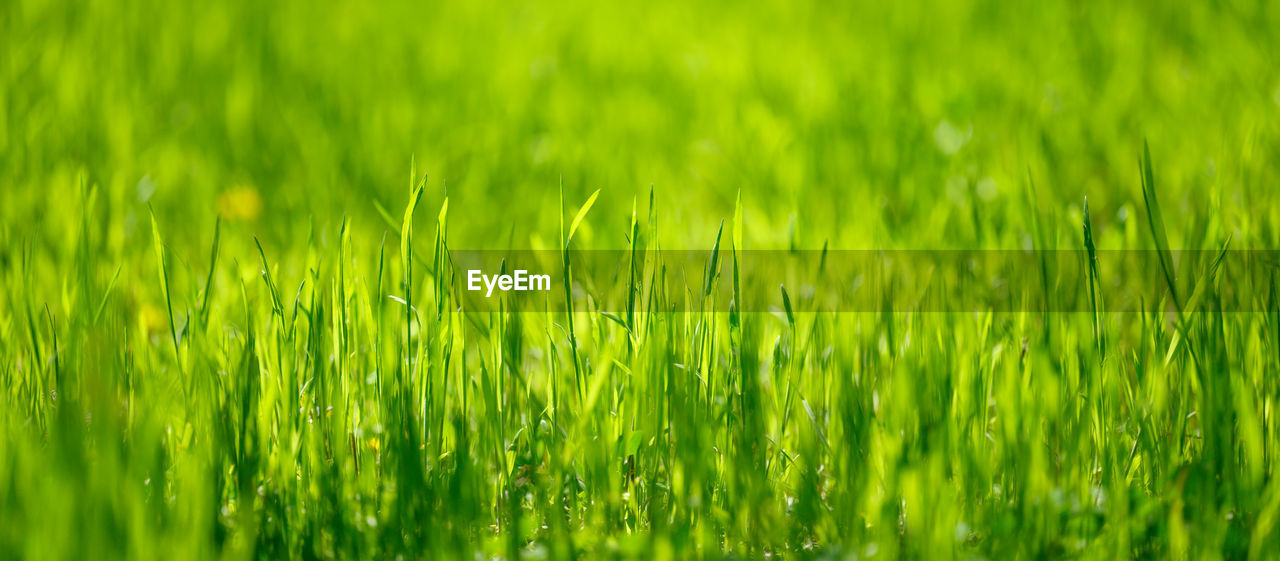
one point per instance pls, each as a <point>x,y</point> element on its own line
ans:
<point>304,394</point>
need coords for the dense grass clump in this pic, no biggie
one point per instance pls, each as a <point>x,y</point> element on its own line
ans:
<point>231,326</point>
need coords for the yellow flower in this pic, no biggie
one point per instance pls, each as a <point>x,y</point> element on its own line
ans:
<point>152,318</point>
<point>240,203</point>
<point>375,444</point>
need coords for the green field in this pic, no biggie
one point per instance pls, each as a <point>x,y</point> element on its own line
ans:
<point>232,323</point>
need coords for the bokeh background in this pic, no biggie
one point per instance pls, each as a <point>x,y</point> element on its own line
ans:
<point>866,125</point>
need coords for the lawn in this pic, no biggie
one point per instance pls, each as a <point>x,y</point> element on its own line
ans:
<point>938,280</point>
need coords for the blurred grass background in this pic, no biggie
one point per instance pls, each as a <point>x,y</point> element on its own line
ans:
<point>188,413</point>
<point>848,120</point>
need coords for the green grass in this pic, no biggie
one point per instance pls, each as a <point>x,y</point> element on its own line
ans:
<point>230,325</point>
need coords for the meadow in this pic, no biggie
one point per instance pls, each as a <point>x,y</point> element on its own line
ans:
<point>234,324</point>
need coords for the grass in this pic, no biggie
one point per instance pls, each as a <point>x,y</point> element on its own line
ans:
<point>229,328</point>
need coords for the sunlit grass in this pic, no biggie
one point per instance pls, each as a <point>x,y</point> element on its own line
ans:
<point>230,324</point>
